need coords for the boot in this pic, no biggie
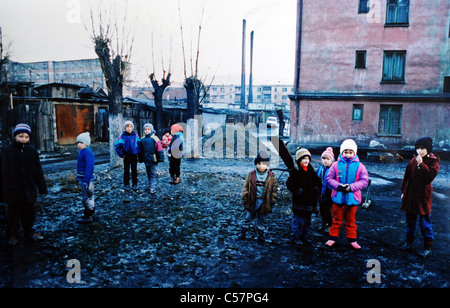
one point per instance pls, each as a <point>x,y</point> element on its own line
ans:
<point>261,237</point>
<point>177,180</point>
<point>172,179</point>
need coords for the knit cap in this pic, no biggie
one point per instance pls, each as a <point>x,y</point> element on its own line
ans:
<point>328,153</point>
<point>84,138</point>
<point>128,123</point>
<point>176,128</point>
<point>301,153</point>
<point>22,128</point>
<point>149,125</point>
<point>262,156</point>
<point>425,142</point>
<point>349,144</point>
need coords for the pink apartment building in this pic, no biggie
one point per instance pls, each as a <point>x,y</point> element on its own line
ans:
<point>371,70</point>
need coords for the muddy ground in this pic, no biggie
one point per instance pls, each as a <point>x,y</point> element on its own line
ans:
<point>185,236</point>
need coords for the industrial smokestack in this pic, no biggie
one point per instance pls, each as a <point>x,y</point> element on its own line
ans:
<point>243,67</point>
<point>250,85</point>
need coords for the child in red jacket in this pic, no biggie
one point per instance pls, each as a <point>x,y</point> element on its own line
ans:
<point>417,192</point>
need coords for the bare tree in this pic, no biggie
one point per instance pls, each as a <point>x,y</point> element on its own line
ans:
<point>114,52</point>
<point>158,90</point>
<point>193,85</point>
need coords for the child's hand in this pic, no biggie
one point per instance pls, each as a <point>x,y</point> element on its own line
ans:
<point>419,159</point>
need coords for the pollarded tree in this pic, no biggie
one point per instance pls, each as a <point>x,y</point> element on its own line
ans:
<point>114,63</point>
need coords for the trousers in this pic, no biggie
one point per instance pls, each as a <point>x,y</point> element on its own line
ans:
<point>343,213</point>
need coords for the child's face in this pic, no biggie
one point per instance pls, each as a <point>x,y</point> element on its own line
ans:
<point>23,138</point>
<point>147,130</point>
<point>326,161</point>
<point>422,152</point>
<point>348,153</point>
<point>129,128</point>
<point>305,161</point>
<point>262,166</point>
<point>81,146</point>
<point>167,134</point>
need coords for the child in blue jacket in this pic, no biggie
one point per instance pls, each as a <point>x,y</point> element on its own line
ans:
<point>128,146</point>
<point>85,176</point>
<point>325,203</point>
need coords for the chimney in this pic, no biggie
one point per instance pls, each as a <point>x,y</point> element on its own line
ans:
<point>250,85</point>
<point>243,67</point>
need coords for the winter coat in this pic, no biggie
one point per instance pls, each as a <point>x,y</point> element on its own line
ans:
<point>21,174</point>
<point>166,140</point>
<point>152,151</point>
<point>85,165</point>
<point>352,172</point>
<point>270,193</point>
<point>305,187</point>
<point>175,147</point>
<point>416,185</point>
<point>128,144</point>
<point>325,194</point>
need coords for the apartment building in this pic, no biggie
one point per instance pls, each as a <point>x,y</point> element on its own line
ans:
<point>371,70</point>
<point>83,72</point>
<point>267,97</point>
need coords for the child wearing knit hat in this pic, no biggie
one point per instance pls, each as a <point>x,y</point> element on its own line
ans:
<point>305,186</point>
<point>128,146</point>
<point>347,177</point>
<point>21,176</point>
<point>259,194</point>
<point>417,194</point>
<point>325,203</point>
<point>85,176</point>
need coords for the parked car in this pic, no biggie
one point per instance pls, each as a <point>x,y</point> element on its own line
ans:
<point>272,121</point>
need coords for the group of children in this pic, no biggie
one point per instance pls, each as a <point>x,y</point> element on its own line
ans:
<point>335,191</point>
<point>151,151</point>
<point>336,186</point>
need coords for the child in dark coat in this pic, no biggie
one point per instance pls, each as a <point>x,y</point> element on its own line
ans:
<point>152,153</point>
<point>175,152</point>
<point>305,186</point>
<point>21,177</point>
<point>417,194</point>
<point>128,146</point>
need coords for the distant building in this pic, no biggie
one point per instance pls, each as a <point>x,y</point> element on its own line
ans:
<point>371,70</point>
<point>264,97</point>
<point>84,72</point>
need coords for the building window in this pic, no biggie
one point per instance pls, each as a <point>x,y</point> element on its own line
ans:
<point>397,13</point>
<point>447,84</point>
<point>358,111</point>
<point>394,67</point>
<point>360,59</point>
<point>390,120</point>
<point>363,7</point>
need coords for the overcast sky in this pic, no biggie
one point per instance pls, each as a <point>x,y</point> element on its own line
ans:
<point>55,30</point>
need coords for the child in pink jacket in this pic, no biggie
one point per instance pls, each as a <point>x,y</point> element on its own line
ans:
<point>347,177</point>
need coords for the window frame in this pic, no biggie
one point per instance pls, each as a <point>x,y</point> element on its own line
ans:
<point>358,107</point>
<point>397,6</point>
<point>361,8</point>
<point>364,54</point>
<point>387,112</point>
<point>393,79</point>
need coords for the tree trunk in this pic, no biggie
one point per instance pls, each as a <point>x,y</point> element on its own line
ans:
<point>193,87</point>
<point>113,72</point>
<point>158,96</point>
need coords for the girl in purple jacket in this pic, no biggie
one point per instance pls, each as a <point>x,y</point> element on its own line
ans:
<point>347,177</point>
